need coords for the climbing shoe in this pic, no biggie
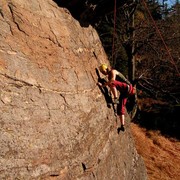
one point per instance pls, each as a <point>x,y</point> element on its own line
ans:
<point>116,101</point>
<point>122,128</point>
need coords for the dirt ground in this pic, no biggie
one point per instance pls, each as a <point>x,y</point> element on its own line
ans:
<point>161,154</point>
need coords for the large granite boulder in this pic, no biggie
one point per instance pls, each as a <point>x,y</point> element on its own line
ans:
<point>54,121</point>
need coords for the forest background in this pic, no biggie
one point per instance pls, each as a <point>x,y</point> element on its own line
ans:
<point>142,40</point>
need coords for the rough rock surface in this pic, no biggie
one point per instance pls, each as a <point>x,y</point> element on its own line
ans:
<point>54,121</point>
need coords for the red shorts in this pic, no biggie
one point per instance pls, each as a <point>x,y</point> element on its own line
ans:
<point>125,91</point>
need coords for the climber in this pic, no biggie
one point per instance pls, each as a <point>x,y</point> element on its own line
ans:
<point>125,90</point>
<point>112,74</point>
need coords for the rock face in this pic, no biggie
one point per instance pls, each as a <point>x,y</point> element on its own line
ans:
<point>54,121</point>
